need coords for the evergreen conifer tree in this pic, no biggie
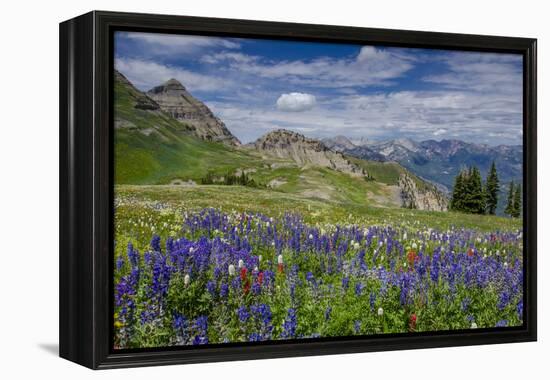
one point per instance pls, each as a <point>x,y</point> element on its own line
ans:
<point>510,202</point>
<point>457,199</point>
<point>491,190</point>
<point>516,204</point>
<point>476,204</point>
<point>467,190</point>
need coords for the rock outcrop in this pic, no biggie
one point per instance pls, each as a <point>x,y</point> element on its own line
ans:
<point>425,197</point>
<point>304,151</point>
<point>174,99</point>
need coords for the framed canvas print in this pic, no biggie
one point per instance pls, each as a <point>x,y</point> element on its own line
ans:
<point>237,189</point>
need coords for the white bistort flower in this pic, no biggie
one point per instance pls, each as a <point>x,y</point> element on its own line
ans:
<point>241,263</point>
<point>280,259</point>
<point>380,312</point>
<point>231,269</point>
<point>474,325</point>
<point>186,279</point>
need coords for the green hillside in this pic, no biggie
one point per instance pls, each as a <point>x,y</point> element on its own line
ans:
<point>153,148</point>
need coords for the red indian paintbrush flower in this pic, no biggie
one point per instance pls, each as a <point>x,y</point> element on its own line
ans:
<point>412,257</point>
<point>243,273</point>
<point>412,322</point>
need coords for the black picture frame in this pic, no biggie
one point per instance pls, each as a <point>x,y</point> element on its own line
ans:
<point>86,187</point>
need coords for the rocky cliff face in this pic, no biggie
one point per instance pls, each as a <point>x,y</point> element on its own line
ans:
<point>174,99</point>
<point>426,197</point>
<point>304,151</point>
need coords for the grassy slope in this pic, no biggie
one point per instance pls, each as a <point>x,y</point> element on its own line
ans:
<point>389,172</point>
<point>174,200</point>
<point>166,153</point>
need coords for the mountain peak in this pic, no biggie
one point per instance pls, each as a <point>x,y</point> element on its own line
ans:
<point>339,143</point>
<point>171,85</point>
<point>407,143</point>
<point>173,98</point>
<point>304,151</point>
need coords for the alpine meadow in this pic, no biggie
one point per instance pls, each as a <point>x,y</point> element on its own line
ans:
<point>273,190</point>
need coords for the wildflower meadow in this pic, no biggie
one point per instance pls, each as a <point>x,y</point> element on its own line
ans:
<point>187,276</point>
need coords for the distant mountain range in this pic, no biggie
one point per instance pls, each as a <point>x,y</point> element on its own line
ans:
<point>437,161</point>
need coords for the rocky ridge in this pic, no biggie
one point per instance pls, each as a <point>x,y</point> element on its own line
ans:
<point>174,99</point>
<point>304,151</point>
<point>426,198</point>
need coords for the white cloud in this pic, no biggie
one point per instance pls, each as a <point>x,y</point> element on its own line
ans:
<point>296,102</point>
<point>481,72</point>
<point>419,115</point>
<point>147,74</point>
<point>228,56</point>
<point>372,66</point>
<point>171,44</point>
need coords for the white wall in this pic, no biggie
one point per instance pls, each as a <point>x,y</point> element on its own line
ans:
<point>29,186</point>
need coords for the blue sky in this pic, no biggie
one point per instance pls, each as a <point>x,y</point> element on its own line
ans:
<point>323,90</point>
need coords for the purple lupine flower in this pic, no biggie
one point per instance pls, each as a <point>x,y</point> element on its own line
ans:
<point>224,290</point>
<point>289,325</point>
<point>155,243</point>
<point>119,262</point>
<point>200,328</point>
<point>256,289</point>
<point>133,255</point>
<point>345,283</point>
<point>243,314</point>
<point>519,309</point>
<point>502,323</point>
<point>503,300</point>
<point>211,288</point>
<point>358,289</point>
<point>255,337</point>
